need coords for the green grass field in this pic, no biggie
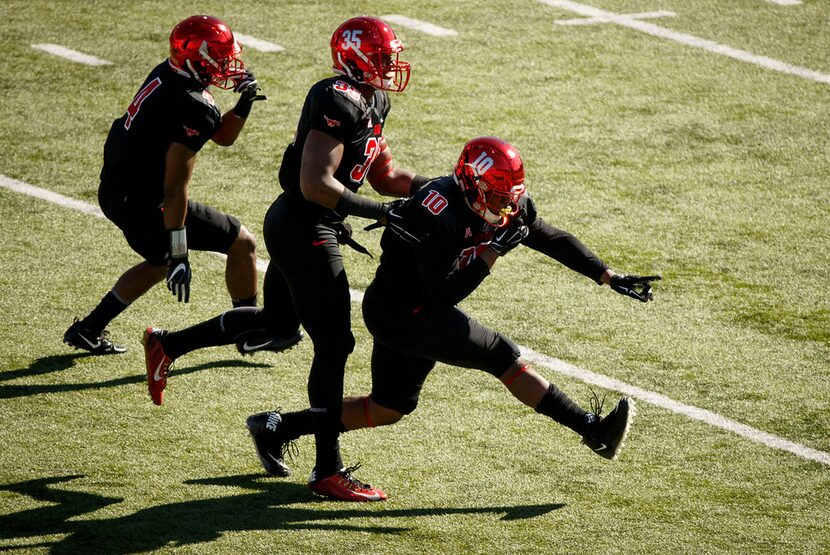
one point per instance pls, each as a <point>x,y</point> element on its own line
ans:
<point>661,156</point>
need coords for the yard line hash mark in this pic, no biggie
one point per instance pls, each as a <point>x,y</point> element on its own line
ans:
<point>258,44</point>
<point>689,40</point>
<point>554,364</point>
<point>594,20</point>
<point>422,26</point>
<point>71,55</point>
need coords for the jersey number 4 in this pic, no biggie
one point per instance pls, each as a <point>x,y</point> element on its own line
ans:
<point>135,105</point>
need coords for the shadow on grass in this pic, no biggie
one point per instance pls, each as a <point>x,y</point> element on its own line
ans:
<point>204,520</point>
<point>56,363</point>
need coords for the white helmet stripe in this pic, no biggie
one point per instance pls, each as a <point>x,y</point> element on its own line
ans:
<point>192,70</point>
<point>203,50</point>
<point>344,68</point>
<point>359,53</point>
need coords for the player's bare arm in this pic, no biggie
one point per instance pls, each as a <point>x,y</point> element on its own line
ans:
<point>179,165</point>
<point>234,120</point>
<point>322,154</point>
<point>388,179</point>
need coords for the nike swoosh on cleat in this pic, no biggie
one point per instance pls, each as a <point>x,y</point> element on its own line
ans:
<point>602,447</point>
<point>156,375</point>
<point>371,497</point>
<point>90,343</point>
<point>246,347</point>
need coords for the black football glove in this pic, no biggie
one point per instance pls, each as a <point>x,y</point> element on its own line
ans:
<point>178,278</point>
<point>248,88</point>
<point>386,207</point>
<point>636,287</point>
<point>508,237</point>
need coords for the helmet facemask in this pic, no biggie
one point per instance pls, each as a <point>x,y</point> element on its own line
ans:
<point>493,202</point>
<point>389,73</point>
<point>215,70</point>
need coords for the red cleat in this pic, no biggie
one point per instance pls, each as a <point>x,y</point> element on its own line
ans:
<point>157,362</point>
<point>342,486</point>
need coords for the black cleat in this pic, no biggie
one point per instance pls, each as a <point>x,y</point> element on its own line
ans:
<point>80,337</point>
<point>271,447</point>
<point>254,342</point>
<point>606,435</point>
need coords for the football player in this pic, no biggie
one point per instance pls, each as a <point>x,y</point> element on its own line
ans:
<point>149,156</point>
<point>437,248</point>
<point>338,144</point>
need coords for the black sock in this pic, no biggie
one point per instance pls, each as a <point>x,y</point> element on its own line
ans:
<point>327,444</point>
<point>250,301</point>
<point>562,409</point>
<point>109,307</point>
<point>220,330</point>
<point>296,424</point>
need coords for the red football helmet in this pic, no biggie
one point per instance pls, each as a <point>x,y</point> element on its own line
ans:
<point>491,174</point>
<point>366,50</point>
<point>205,46</point>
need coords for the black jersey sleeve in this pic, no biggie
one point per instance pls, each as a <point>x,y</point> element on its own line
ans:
<point>197,119</point>
<point>560,245</point>
<point>445,281</point>
<point>335,110</point>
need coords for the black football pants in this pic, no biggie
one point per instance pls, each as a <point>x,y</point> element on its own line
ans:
<point>407,345</point>
<point>306,278</point>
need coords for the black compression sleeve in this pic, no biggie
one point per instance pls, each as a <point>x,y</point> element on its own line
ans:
<point>356,205</point>
<point>565,249</point>
<point>243,107</point>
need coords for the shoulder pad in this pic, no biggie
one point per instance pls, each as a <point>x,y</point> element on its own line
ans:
<point>203,97</point>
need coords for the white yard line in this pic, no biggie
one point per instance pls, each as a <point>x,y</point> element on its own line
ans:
<point>595,20</point>
<point>688,40</point>
<point>785,2</point>
<point>662,401</point>
<point>551,363</point>
<point>72,55</point>
<point>258,44</point>
<point>418,25</point>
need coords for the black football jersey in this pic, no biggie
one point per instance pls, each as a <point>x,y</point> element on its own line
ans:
<point>335,107</point>
<point>170,107</point>
<point>441,264</point>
